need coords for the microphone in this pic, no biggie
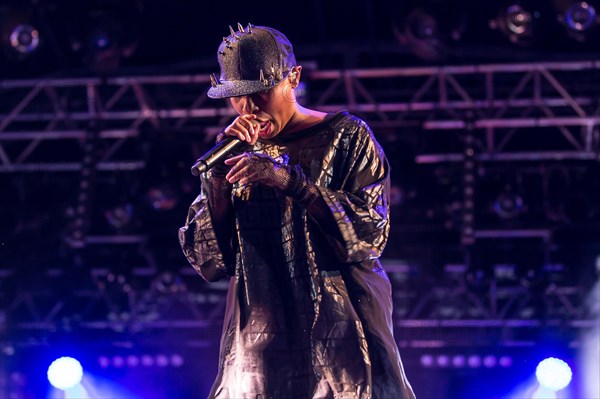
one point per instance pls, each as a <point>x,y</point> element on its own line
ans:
<point>215,154</point>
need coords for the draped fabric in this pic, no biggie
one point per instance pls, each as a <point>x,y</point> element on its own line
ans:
<point>309,306</point>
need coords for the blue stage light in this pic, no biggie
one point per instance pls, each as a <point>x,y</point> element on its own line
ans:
<point>65,373</point>
<point>553,373</point>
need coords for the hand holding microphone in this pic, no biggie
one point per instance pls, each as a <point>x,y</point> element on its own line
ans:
<point>241,130</point>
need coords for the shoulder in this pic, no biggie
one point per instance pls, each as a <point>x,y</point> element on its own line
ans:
<point>346,121</point>
<point>351,129</point>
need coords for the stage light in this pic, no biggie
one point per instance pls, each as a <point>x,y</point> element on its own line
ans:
<point>176,360</point>
<point>553,373</point>
<point>589,350</point>
<point>106,34</point>
<point>474,361</point>
<point>427,360</point>
<point>65,373</point>
<point>118,361</point>
<point>133,361</point>
<point>578,18</point>
<point>162,361</point>
<point>429,30</point>
<point>121,361</point>
<point>104,47</point>
<point>120,216</point>
<point>443,361</point>
<point>169,283</point>
<point>18,32</point>
<point>517,19</point>
<point>459,361</point>
<point>506,272</point>
<point>422,25</point>
<point>505,361</point>
<point>162,197</point>
<point>103,362</point>
<point>517,22</point>
<point>24,38</point>
<point>421,33</point>
<point>147,361</point>
<point>508,204</point>
<point>489,361</point>
<point>101,39</point>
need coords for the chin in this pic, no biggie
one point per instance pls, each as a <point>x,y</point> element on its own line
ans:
<point>269,134</point>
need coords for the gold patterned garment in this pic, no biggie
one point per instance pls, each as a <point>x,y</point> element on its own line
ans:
<point>309,307</point>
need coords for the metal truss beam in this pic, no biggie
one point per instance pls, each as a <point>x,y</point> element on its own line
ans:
<point>498,101</point>
<point>106,302</point>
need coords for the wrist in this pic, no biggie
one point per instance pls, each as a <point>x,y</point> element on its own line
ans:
<point>299,188</point>
<point>294,182</point>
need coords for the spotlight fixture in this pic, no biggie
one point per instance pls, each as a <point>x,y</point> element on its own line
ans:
<point>24,38</point>
<point>517,22</point>
<point>105,34</point>
<point>120,217</point>
<point>65,373</point>
<point>162,197</point>
<point>465,361</point>
<point>579,18</point>
<point>429,30</point>
<point>19,34</point>
<point>169,283</point>
<point>468,200</point>
<point>119,361</point>
<point>508,205</point>
<point>553,373</point>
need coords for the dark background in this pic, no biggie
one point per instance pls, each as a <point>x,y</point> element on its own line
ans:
<point>56,298</point>
<point>175,36</point>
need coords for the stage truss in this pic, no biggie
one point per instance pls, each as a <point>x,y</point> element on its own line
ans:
<point>495,103</point>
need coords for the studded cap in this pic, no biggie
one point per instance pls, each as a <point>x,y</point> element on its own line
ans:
<point>252,59</point>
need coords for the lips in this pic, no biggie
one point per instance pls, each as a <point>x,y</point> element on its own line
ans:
<point>264,127</point>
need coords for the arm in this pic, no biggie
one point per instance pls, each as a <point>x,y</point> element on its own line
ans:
<point>353,216</point>
<point>206,236</point>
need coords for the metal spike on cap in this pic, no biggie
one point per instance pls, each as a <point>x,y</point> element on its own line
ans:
<point>272,70</point>
<point>214,81</point>
<point>227,44</point>
<point>280,70</point>
<point>240,28</point>
<point>233,34</point>
<point>262,78</point>
<point>249,27</point>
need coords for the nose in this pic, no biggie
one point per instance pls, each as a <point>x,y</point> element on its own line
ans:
<point>248,105</point>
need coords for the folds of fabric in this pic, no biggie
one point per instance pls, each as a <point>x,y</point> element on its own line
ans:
<point>309,308</point>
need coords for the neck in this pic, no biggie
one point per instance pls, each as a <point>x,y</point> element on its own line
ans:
<point>303,118</point>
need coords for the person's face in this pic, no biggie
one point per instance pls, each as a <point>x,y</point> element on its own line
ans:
<point>273,108</point>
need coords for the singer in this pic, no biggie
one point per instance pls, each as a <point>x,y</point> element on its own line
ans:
<point>296,218</point>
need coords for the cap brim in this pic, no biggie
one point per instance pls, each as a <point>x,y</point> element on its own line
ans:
<point>234,88</point>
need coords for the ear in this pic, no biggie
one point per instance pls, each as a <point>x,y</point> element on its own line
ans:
<point>294,76</point>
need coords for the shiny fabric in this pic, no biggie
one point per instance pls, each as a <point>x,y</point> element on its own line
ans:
<point>309,307</point>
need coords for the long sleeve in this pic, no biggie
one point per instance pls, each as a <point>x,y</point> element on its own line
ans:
<point>206,236</point>
<point>350,204</point>
<point>310,302</point>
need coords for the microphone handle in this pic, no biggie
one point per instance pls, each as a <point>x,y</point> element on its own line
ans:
<point>218,152</point>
